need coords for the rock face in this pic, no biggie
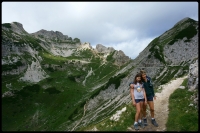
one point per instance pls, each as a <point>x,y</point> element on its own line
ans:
<point>177,47</point>
<point>193,76</point>
<point>102,49</point>
<point>119,56</point>
<point>34,73</point>
<point>50,34</point>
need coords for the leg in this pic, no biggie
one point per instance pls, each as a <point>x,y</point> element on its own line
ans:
<point>137,114</point>
<point>144,110</point>
<point>141,109</point>
<point>140,123</point>
<point>151,106</point>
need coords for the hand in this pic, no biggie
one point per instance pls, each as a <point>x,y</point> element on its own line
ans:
<point>131,85</point>
<point>154,97</point>
<point>145,103</point>
<point>134,104</point>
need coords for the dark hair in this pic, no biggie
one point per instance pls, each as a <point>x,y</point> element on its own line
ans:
<point>138,75</point>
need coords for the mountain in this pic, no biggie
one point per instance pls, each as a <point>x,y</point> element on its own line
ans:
<point>170,54</point>
<point>51,82</point>
<point>43,66</point>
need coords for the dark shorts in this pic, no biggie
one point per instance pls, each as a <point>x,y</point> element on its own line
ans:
<point>150,98</point>
<point>138,100</point>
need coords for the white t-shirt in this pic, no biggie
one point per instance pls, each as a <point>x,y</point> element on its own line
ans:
<point>138,91</point>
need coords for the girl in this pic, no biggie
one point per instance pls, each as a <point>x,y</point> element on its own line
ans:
<point>138,96</point>
<point>150,96</point>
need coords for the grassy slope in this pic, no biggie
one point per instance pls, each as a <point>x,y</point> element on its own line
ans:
<point>182,117</point>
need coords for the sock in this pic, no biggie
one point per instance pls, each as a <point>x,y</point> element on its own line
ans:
<point>135,123</point>
<point>152,118</point>
<point>139,120</point>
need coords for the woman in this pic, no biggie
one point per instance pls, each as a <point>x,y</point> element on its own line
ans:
<point>150,96</point>
<point>138,96</point>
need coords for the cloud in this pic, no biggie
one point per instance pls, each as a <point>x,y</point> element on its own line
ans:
<point>131,48</point>
<point>116,34</point>
<point>107,23</point>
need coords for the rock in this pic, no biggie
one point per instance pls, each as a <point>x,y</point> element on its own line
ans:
<point>181,87</point>
<point>191,104</point>
<point>193,76</point>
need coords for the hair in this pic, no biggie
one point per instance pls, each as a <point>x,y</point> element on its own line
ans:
<point>142,72</point>
<point>138,75</point>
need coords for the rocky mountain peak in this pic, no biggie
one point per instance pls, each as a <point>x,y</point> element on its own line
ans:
<point>187,19</point>
<point>102,49</point>
<point>14,26</point>
<point>50,34</point>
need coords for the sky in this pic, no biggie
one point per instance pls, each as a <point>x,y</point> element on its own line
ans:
<point>126,26</point>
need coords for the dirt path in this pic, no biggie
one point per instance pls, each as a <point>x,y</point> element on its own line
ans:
<point>161,106</point>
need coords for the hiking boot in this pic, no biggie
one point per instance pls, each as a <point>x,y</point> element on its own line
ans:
<point>141,124</point>
<point>145,122</point>
<point>136,126</point>
<point>154,122</point>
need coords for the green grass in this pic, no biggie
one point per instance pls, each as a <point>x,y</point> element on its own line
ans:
<point>182,117</point>
<point>188,32</point>
<point>7,25</point>
<point>110,57</point>
<point>15,65</point>
<point>169,75</point>
<point>60,89</point>
<point>47,100</point>
<point>158,54</point>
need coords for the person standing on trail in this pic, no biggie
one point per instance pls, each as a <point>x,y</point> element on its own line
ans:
<point>148,86</point>
<point>138,96</point>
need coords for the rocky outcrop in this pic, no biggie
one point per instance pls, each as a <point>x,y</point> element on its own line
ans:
<point>120,58</point>
<point>181,51</point>
<point>193,76</point>
<point>34,73</point>
<point>50,35</point>
<point>102,49</point>
<point>16,27</point>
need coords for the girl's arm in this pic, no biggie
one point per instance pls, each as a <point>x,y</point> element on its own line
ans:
<point>132,95</point>
<point>145,97</point>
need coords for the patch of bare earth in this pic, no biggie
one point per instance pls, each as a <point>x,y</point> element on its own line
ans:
<point>161,107</point>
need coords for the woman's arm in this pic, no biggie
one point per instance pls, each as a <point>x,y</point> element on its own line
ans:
<point>132,95</point>
<point>145,97</point>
